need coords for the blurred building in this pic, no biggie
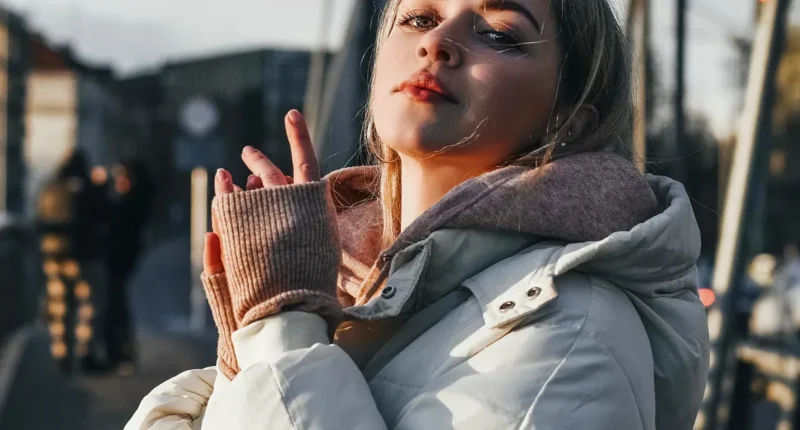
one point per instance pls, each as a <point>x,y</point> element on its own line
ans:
<point>100,115</point>
<point>14,63</point>
<point>51,113</point>
<point>69,105</point>
<point>211,108</point>
<point>218,105</point>
<point>144,131</point>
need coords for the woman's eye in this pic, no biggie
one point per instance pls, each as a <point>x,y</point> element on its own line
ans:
<point>422,22</point>
<point>497,36</point>
<point>501,38</point>
<point>418,22</point>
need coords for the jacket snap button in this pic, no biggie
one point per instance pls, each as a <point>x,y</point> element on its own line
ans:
<point>506,306</point>
<point>534,292</point>
<point>388,292</point>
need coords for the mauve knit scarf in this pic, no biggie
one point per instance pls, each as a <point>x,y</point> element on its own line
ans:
<point>579,198</point>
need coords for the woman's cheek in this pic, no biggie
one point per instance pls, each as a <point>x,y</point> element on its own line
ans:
<point>492,90</point>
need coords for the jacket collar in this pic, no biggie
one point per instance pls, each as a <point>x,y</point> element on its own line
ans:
<point>426,271</point>
<point>515,288</point>
<point>653,258</point>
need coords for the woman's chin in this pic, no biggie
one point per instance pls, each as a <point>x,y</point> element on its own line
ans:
<point>422,149</point>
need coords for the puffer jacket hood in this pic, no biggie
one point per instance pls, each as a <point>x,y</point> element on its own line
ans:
<point>583,197</point>
<point>655,258</point>
<point>635,231</point>
<point>655,264</point>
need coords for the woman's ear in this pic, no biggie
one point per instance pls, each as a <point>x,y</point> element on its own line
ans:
<point>586,119</point>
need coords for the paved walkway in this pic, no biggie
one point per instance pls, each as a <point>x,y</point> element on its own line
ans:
<point>38,397</point>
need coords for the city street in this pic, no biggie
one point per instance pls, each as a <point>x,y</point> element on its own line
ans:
<point>40,398</point>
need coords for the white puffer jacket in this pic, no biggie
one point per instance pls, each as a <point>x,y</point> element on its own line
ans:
<point>606,335</point>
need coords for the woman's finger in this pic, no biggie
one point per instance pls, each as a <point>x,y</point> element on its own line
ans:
<point>212,255</point>
<point>304,160</point>
<point>214,223</point>
<point>223,182</point>
<point>261,166</point>
<point>216,231</point>
<point>254,183</point>
<point>289,180</point>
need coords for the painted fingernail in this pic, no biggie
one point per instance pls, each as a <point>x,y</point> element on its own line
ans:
<point>294,116</point>
<point>249,150</point>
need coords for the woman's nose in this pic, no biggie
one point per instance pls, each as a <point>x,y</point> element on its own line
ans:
<point>436,46</point>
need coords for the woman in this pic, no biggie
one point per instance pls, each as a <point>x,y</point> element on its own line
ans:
<point>505,266</point>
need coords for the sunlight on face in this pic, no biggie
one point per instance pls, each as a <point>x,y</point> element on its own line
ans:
<point>467,79</point>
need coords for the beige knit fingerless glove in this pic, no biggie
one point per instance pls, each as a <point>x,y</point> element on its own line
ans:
<point>281,251</point>
<point>219,299</point>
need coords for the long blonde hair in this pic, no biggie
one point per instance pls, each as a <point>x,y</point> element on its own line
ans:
<point>595,70</point>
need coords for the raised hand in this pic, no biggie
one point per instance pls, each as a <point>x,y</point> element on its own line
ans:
<point>264,174</point>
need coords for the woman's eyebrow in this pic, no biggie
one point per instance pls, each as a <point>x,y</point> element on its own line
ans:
<point>510,5</point>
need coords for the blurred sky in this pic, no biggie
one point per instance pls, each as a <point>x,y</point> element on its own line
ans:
<point>142,33</point>
<point>137,34</point>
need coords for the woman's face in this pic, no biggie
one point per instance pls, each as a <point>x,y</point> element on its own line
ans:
<point>467,78</point>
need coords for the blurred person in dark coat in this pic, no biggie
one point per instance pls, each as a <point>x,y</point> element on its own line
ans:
<point>71,219</point>
<point>129,215</point>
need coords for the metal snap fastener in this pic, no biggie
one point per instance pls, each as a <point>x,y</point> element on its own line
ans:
<point>534,292</point>
<point>389,292</point>
<point>507,306</point>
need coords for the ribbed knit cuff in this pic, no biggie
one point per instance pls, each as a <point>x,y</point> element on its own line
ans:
<point>219,300</point>
<point>225,368</point>
<point>281,250</point>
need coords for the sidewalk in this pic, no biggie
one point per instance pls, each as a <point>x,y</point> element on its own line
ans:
<point>40,398</point>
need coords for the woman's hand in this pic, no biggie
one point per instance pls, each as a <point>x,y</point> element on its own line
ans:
<point>265,174</point>
<point>276,244</point>
<point>231,291</point>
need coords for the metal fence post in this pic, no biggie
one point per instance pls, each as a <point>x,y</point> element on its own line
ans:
<point>199,226</point>
<point>639,33</point>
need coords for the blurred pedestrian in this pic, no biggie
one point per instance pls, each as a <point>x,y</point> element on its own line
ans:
<point>132,193</point>
<point>71,220</point>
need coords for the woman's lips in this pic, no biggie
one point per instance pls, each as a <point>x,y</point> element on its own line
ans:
<point>424,95</point>
<point>424,87</point>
